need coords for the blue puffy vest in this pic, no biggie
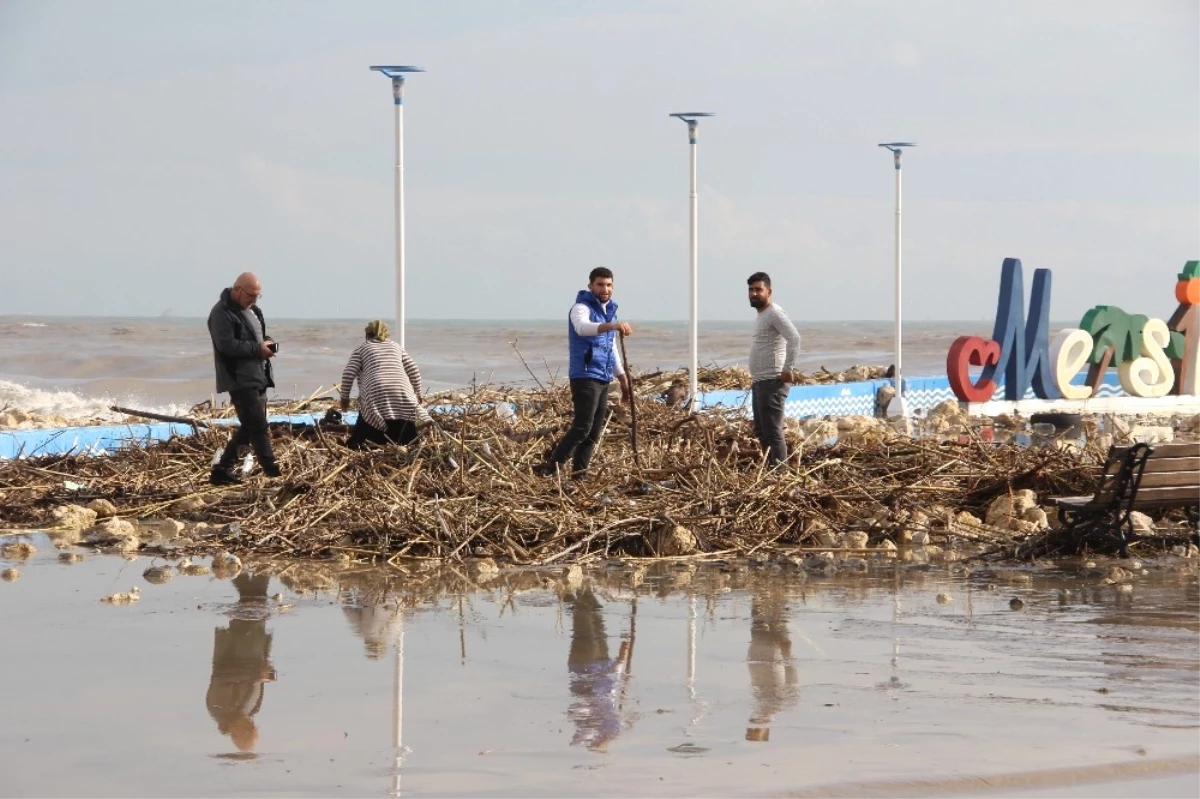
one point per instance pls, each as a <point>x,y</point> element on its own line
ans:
<point>592,356</point>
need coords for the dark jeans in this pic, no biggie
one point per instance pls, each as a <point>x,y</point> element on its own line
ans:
<point>399,431</point>
<point>590,398</point>
<point>251,407</point>
<point>767,398</point>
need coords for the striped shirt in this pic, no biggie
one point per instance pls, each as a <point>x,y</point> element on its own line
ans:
<point>389,383</point>
<point>775,346</point>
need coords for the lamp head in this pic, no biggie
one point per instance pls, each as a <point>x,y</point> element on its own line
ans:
<point>396,71</point>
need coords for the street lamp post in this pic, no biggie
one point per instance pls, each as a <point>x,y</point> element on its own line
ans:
<point>692,119</point>
<point>898,406</point>
<point>397,73</point>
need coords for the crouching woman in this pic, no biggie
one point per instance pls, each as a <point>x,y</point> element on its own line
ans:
<point>389,391</point>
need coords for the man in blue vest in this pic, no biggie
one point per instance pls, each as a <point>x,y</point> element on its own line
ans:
<point>595,360</point>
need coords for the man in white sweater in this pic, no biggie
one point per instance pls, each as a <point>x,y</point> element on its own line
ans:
<point>772,353</point>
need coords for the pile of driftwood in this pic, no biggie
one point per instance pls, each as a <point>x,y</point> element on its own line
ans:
<point>688,485</point>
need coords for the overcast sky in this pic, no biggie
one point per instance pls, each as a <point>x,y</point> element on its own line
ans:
<point>150,151</point>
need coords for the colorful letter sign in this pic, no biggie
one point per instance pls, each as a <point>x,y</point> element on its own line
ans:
<point>1151,356</point>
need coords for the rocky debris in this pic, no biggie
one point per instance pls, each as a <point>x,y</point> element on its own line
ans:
<point>186,505</point>
<point>102,508</point>
<point>817,432</point>
<point>1152,434</point>
<point>1190,551</point>
<point>483,569</point>
<point>10,575</point>
<point>69,558</point>
<point>157,575</point>
<point>124,597</point>
<point>189,569</point>
<point>1142,524</point>
<point>947,417</point>
<point>73,517</point>
<point>857,539</point>
<point>226,565</point>
<point>115,535</point>
<point>821,564</point>
<point>674,540</point>
<point>1015,603</point>
<point>172,527</point>
<point>883,398</point>
<point>21,550</point>
<point>858,431</point>
<point>944,599</point>
<point>1009,512</point>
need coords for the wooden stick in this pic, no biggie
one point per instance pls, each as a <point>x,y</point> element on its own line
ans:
<point>637,460</point>
<point>157,416</point>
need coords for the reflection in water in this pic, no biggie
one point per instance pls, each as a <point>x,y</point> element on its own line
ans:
<point>593,675</point>
<point>773,678</point>
<point>374,624</point>
<point>241,664</point>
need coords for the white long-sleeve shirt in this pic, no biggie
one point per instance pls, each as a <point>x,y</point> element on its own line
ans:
<point>775,346</point>
<point>581,320</point>
<point>389,383</point>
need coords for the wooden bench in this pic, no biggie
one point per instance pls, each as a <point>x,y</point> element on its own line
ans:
<point>1137,477</point>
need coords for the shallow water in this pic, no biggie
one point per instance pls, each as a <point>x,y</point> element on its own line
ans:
<point>715,682</point>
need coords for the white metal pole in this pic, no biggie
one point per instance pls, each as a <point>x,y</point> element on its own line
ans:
<point>899,383</point>
<point>693,329</point>
<point>398,94</point>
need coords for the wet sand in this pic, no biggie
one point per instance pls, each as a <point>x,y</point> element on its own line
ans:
<point>739,682</point>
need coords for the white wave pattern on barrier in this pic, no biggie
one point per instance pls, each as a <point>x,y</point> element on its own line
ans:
<point>29,408</point>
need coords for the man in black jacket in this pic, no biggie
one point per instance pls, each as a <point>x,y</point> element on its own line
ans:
<point>242,353</point>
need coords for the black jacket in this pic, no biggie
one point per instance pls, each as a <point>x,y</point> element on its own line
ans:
<point>237,337</point>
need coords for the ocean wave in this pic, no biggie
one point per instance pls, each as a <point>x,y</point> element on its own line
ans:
<point>34,324</point>
<point>23,408</point>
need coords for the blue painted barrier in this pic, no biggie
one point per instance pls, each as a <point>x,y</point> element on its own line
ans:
<point>833,399</point>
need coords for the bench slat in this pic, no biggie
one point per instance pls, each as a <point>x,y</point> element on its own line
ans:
<point>1158,497</point>
<point>1157,464</point>
<point>1170,480</point>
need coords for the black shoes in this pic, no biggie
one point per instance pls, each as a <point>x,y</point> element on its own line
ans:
<point>271,470</point>
<point>224,477</point>
<point>545,470</point>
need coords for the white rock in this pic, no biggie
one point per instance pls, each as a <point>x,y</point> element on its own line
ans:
<point>74,517</point>
<point>103,508</point>
<point>116,527</point>
<point>1037,517</point>
<point>674,541</point>
<point>857,539</point>
<point>1006,511</point>
<point>1142,524</point>
<point>1152,434</point>
<point>483,568</point>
